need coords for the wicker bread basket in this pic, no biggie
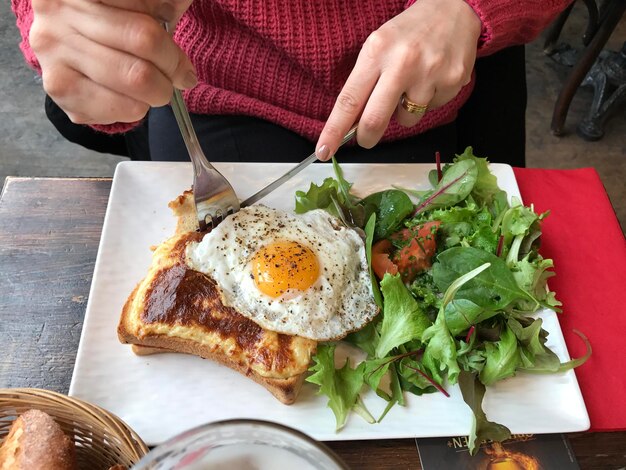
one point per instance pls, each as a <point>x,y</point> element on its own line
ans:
<point>101,438</point>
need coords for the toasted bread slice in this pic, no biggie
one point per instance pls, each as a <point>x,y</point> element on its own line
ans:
<point>177,309</point>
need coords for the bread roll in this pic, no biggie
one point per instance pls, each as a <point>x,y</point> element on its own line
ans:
<point>36,442</point>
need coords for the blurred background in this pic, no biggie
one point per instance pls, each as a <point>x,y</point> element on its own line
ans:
<point>31,146</point>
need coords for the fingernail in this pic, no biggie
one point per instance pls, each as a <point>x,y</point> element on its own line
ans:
<point>323,153</point>
<point>191,80</point>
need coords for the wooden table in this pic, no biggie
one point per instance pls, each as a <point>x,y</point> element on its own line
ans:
<point>49,234</point>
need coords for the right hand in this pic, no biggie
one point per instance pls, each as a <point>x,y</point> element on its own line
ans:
<point>109,61</point>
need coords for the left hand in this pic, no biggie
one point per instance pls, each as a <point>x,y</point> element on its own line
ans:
<point>428,52</point>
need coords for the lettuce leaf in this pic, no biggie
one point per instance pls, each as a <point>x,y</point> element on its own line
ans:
<point>403,319</point>
<point>341,386</point>
<point>502,358</point>
<point>482,429</point>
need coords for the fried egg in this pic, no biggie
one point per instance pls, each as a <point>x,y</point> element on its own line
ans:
<point>302,275</point>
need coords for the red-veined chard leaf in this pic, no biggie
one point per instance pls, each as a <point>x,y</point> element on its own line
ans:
<point>455,185</point>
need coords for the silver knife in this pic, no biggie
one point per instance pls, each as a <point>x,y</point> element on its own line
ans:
<point>294,171</point>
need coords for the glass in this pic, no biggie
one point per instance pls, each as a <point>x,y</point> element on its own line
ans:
<point>241,444</point>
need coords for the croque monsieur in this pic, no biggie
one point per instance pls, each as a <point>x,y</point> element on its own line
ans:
<point>255,294</point>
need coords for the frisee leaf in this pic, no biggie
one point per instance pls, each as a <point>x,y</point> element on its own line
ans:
<point>403,319</point>
<point>341,386</point>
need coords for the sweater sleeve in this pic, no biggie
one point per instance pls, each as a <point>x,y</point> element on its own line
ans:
<point>511,22</point>
<point>24,15</point>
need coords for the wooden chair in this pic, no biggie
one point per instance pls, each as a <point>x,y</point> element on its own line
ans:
<point>603,20</point>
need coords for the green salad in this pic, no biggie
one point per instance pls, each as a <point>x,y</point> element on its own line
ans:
<point>457,276</point>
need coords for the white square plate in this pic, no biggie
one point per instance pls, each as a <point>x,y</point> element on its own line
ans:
<point>160,396</point>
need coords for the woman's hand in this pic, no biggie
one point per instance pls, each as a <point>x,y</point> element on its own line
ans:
<point>109,61</point>
<point>428,52</point>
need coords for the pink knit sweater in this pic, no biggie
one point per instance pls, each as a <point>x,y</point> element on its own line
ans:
<point>286,61</point>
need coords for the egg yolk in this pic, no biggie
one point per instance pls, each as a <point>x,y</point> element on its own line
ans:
<point>284,265</point>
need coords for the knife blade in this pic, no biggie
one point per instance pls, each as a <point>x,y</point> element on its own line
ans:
<point>294,171</point>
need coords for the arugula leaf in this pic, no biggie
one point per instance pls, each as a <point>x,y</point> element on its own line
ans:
<point>403,319</point>
<point>341,386</point>
<point>391,208</point>
<point>343,186</point>
<point>494,289</point>
<point>482,429</point>
<point>456,185</point>
<point>369,238</point>
<point>565,366</point>
<point>502,358</point>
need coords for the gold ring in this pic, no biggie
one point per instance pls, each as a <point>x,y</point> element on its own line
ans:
<point>411,107</point>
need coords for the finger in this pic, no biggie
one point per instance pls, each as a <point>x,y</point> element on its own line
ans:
<point>419,95</point>
<point>163,10</point>
<point>86,102</point>
<point>348,107</point>
<point>140,35</point>
<point>118,71</point>
<point>378,111</point>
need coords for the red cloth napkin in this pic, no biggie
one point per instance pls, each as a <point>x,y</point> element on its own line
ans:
<point>584,238</point>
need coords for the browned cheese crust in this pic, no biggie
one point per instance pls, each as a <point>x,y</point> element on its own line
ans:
<point>177,309</point>
<point>36,442</point>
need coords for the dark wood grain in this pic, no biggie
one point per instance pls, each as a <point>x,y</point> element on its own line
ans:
<point>49,235</point>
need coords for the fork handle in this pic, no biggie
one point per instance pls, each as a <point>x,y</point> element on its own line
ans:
<point>186,128</point>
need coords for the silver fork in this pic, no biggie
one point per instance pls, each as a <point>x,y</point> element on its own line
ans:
<point>212,193</point>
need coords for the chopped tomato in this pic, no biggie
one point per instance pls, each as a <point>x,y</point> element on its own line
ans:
<point>419,248</point>
<point>415,255</point>
<point>381,263</point>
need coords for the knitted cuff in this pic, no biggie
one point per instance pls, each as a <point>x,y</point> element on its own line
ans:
<point>115,128</point>
<point>24,13</point>
<point>484,13</point>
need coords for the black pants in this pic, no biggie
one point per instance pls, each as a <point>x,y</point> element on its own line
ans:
<point>492,122</point>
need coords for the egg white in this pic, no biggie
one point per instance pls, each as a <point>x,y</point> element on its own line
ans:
<point>340,300</point>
